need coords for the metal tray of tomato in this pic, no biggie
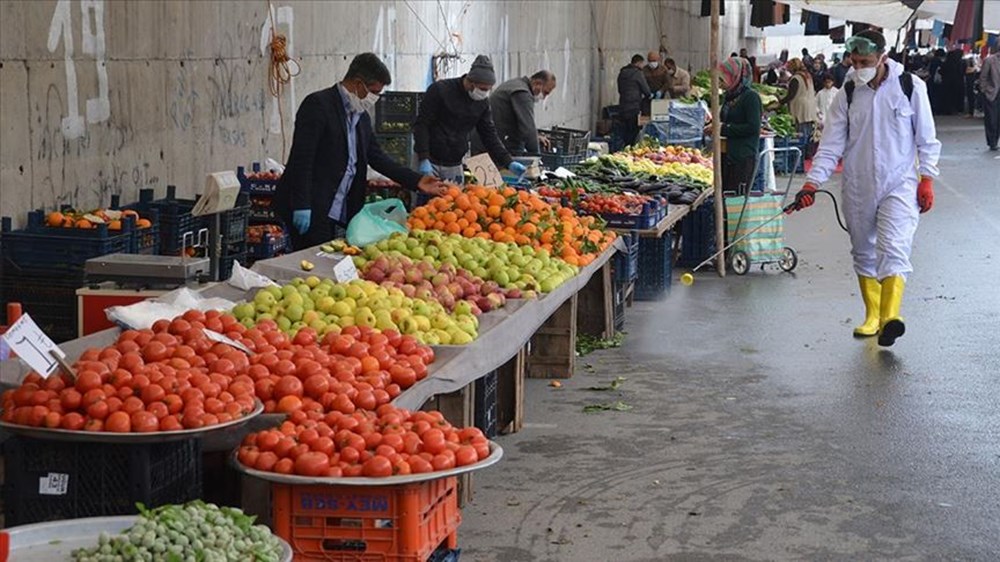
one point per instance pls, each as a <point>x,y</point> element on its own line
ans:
<point>496,453</point>
<point>126,438</point>
<point>53,541</point>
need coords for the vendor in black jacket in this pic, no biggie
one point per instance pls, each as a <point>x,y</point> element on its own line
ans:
<point>449,111</point>
<point>633,91</point>
<point>325,180</point>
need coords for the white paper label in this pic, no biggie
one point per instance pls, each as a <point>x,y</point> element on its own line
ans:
<point>485,170</point>
<point>345,270</point>
<point>55,484</point>
<point>31,344</point>
<point>221,338</point>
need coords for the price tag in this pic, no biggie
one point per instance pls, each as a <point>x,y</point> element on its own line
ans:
<point>30,343</point>
<point>220,338</point>
<point>482,166</point>
<point>345,270</point>
<point>55,484</point>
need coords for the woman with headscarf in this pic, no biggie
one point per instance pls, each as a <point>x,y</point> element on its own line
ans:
<point>740,116</point>
<point>801,98</point>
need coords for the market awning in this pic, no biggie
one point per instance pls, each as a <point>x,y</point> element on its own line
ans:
<point>944,10</point>
<point>888,14</point>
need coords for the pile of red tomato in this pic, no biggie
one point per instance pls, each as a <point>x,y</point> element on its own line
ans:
<point>616,204</point>
<point>385,442</point>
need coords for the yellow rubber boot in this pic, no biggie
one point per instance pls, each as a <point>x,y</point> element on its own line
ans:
<point>892,324</point>
<point>871,294</point>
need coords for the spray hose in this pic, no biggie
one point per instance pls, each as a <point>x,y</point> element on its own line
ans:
<point>795,206</point>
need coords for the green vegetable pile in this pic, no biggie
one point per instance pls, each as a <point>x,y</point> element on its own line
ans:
<point>193,532</point>
<point>782,124</point>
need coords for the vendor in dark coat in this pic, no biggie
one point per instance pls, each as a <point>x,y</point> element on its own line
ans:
<point>632,91</point>
<point>448,113</point>
<point>513,107</point>
<point>325,179</point>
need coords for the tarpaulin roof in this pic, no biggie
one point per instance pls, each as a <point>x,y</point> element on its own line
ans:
<point>944,10</point>
<point>889,14</point>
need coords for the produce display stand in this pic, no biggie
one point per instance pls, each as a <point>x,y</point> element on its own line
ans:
<point>675,214</point>
<point>56,540</point>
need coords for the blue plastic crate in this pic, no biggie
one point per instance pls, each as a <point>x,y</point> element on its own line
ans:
<point>254,186</point>
<point>144,240</point>
<point>51,248</point>
<point>698,234</point>
<point>48,295</point>
<point>553,161</point>
<point>269,247</point>
<point>784,160</point>
<point>652,213</point>
<point>485,404</point>
<point>234,222</point>
<point>626,264</point>
<point>175,218</point>
<point>655,267</point>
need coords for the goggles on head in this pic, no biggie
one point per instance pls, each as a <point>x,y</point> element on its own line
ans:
<point>861,45</point>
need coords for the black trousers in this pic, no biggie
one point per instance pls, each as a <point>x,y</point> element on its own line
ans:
<point>992,120</point>
<point>737,174</point>
<point>321,230</point>
<point>629,127</point>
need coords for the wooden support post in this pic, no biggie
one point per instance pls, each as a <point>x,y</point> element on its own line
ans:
<point>595,305</point>
<point>720,235</point>
<point>510,393</point>
<point>457,409</point>
<point>553,347</point>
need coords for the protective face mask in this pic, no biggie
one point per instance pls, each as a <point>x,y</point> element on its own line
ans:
<point>479,95</point>
<point>539,97</point>
<point>671,72</point>
<point>361,104</point>
<point>653,64</point>
<point>865,75</point>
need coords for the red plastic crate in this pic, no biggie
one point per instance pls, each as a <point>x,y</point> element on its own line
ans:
<point>402,523</point>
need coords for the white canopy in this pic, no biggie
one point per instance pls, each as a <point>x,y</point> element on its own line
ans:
<point>944,10</point>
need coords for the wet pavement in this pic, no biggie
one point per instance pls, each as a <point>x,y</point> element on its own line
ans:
<point>760,429</point>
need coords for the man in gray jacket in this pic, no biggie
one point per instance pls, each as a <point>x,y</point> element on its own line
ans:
<point>513,106</point>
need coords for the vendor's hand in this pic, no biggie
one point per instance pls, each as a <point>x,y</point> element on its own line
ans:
<point>707,131</point>
<point>804,198</point>
<point>517,167</point>
<point>425,167</point>
<point>925,194</point>
<point>544,142</point>
<point>432,186</point>
<point>301,219</point>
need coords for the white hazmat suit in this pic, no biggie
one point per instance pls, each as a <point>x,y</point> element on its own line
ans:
<point>888,141</point>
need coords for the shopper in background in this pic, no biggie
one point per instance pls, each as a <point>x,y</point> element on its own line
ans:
<point>989,87</point>
<point>655,74</point>
<point>806,58</point>
<point>632,92</point>
<point>449,111</point>
<point>935,79</point>
<point>801,99</point>
<point>840,71</point>
<point>513,107</point>
<point>753,63</point>
<point>679,80</point>
<point>740,118</point>
<point>971,79</point>
<point>817,72</point>
<point>325,179</point>
<point>824,98</point>
<point>953,73</point>
<point>883,129</point>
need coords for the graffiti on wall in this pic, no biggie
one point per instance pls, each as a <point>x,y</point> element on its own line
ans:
<point>98,109</point>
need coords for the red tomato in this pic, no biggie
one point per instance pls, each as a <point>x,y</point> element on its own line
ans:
<point>72,421</point>
<point>377,467</point>
<point>118,422</point>
<point>466,455</point>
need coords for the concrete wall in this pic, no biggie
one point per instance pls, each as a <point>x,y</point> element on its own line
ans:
<point>102,97</point>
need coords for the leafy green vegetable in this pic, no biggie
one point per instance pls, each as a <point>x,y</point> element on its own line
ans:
<point>586,343</point>
<point>615,385</point>
<point>618,406</point>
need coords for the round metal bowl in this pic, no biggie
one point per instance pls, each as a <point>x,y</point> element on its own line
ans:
<point>126,438</point>
<point>496,453</point>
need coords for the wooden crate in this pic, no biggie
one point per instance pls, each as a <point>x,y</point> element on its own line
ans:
<point>510,393</point>
<point>596,307</point>
<point>553,347</point>
<point>457,408</point>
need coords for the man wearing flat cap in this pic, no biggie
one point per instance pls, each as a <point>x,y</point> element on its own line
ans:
<point>448,113</point>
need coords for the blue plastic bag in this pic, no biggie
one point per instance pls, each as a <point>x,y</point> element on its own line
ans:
<point>377,221</point>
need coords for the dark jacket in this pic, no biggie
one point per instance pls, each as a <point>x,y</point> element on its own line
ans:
<point>632,90</point>
<point>446,117</point>
<point>513,107</point>
<point>741,125</point>
<point>839,74</point>
<point>318,159</point>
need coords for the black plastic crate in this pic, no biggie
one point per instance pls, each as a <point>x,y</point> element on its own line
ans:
<point>228,258</point>
<point>443,554</point>
<point>49,296</point>
<point>567,141</point>
<point>485,404</point>
<point>399,147</point>
<point>553,161</point>
<point>175,218</point>
<point>655,267</point>
<point>269,246</point>
<point>626,264</point>
<point>53,480</point>
<point>255,186</point>
<point>395,112</point>
<point>144,240</point>
<point>234,222</point>
<point>698,235</point>
<point>51,248</point>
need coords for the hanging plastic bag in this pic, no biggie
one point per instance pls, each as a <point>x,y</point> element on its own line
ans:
<point>377,221</point>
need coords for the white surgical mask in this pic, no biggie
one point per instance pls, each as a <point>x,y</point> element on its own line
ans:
<point>358,105</point>
<point>654,64</point>
<point>479,95</point>
<point>865,75</point>
<point>539,97</point>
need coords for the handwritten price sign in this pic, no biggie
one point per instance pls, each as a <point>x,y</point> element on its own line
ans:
<point>31,344</point>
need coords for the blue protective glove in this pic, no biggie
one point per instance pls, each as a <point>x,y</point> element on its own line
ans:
<point>518,168</point>
<point>301,219</point>
<point>425,167</point>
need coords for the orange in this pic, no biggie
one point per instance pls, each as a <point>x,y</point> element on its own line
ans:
<point>84,223</point>
<point>115,225</point>
<point>143,223</point>
<point>493,211</point>
<point>55,218</point>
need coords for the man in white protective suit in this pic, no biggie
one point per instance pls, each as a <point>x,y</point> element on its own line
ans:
<point>880,123</point>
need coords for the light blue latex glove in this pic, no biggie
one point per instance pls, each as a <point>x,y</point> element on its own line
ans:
<point>301,219</point>
<point>518,168</point>
<point>425,168</point>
